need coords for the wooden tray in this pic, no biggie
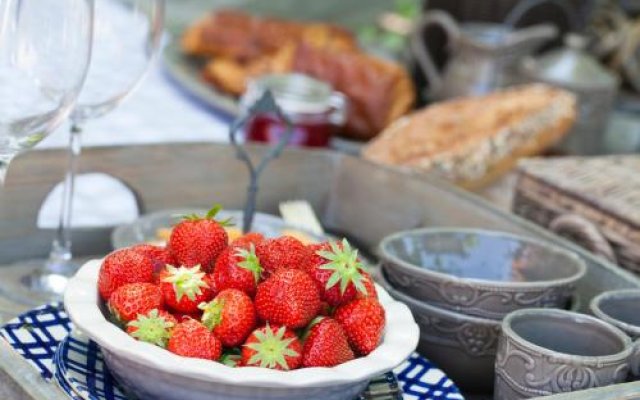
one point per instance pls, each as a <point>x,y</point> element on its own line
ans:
<point>352,196</point>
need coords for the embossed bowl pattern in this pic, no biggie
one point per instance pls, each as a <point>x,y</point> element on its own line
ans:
<point>543,352</point>
<point>481,273</point>
<point>463,346</point>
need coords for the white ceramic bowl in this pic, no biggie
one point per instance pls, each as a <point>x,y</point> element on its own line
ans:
<point>147,371</point>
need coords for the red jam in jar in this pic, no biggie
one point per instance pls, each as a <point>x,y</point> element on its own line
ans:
<point>313,108</point>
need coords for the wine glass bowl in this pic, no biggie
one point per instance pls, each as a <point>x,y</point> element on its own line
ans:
<point>45,47</point>
<point>127,35</point>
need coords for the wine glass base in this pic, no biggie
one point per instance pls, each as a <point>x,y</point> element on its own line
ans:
<point>31,284</point>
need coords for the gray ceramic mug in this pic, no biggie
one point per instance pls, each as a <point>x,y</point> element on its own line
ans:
<point>545,351</point>
<point>620,308</point>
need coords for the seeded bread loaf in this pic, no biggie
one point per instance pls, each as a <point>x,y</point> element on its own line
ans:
<point>473,140</point>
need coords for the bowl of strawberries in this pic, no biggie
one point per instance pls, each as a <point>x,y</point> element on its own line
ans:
<point>269,318</point>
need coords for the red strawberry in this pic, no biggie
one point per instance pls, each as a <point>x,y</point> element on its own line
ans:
<point>237,268</point>
<point>289,297</point>
<point>154,327</point>
<point>198,240</point>
<point>369,285</point>
<point>337,271</point>
<point>231,316</point>
<point>184,288</point>
<point>192,339</point>
<point>160,256</point>
<point>363,321</point>
<point>122,267</point>
<point>325,344</point>
<point>248,238</point>
<point>134,298</point>
<point>272,347</point>
<point>282,252</point>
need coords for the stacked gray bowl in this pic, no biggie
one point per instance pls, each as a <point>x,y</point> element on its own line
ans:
<point>460,283</point>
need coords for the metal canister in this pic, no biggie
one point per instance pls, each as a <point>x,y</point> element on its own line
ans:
<point>573,69</point>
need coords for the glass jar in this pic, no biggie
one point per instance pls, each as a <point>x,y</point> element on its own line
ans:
<point>315,110</point>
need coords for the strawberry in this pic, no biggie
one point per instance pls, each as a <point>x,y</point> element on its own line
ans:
<point>153,327</point>
<point>363,321</point>
<point>337,271</point>
<point>369,285</point>
<point>160,256</point>
<point>231,316</point>
<point>192,339</point>
<point>289,297</point>
<point>282,252</point>
<point>237,268</point>
<point>198,240</point>
<point>134,298</point>
<point>325,344</point>
<point>272,347</point>
<point>121,267</point>
<point>248,238</point>
<point>185,288</point>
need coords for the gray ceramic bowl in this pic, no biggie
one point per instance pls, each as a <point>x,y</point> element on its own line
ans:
<point>621,308</point>
<point>543,352</point>
<point>480,273</point>
<point>464,347</point>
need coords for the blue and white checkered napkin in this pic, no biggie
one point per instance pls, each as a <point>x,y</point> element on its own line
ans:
<point>42,337</point>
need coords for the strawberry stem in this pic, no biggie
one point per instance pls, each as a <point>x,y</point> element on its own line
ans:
<point>271,348</point>
<point>212,313</point>
<point>152,328</point>
<point>186,281</point>
<point>343,260</point>
<point>251,261</point>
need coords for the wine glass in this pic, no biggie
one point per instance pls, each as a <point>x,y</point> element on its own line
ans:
<point>127,37</point>
<point>45,47</point>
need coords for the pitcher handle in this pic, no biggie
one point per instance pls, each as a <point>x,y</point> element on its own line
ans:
<point>421,51</point>
<point>523,7</point>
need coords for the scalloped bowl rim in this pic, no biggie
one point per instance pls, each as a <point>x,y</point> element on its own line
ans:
<point>82,304</point>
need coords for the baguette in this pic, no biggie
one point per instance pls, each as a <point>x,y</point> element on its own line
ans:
<point>471,141</point>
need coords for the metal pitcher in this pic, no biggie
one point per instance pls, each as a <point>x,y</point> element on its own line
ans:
<point>483,56</point>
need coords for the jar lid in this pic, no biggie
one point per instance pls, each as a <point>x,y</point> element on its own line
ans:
<point>294,93</point>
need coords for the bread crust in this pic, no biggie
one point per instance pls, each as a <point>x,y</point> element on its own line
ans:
<point>474,140</point>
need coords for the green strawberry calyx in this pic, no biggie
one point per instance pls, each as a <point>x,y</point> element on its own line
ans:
<point>250,261</point>
<point>212,313</point>
<point>271,348</point>
<point>211,214</point>
<point>231,358</point>
<point>152,328</point>
<point>347,268</point>
<point>186,281</point>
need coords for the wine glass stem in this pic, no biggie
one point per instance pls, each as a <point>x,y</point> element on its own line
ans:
<point>61,247</point>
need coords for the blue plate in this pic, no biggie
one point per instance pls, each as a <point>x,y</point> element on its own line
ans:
<point>44,337</point>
